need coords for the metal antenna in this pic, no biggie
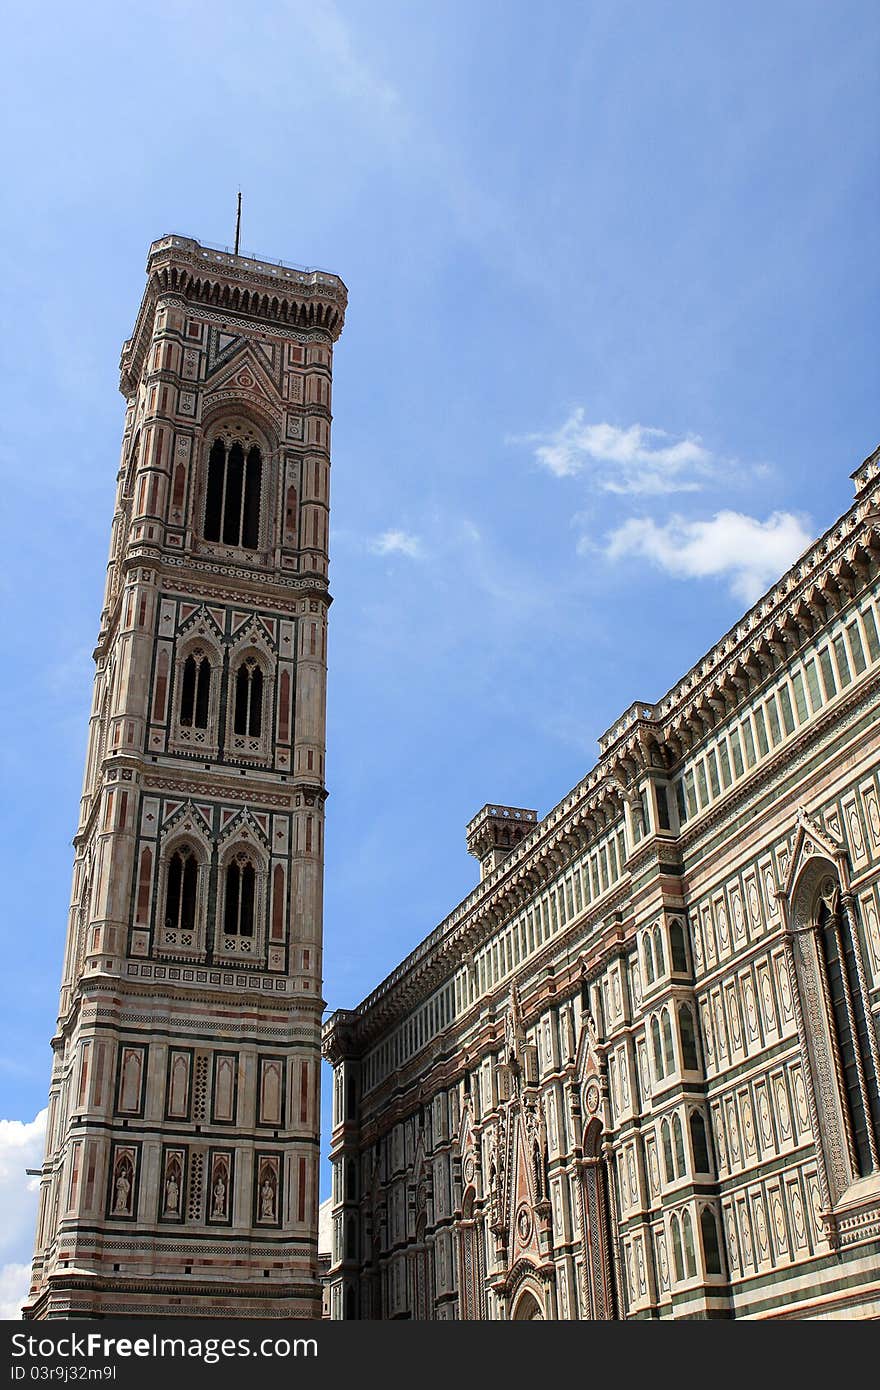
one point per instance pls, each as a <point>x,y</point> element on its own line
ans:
<point>238,223</point>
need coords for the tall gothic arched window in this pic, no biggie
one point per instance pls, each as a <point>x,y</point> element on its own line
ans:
<point>709,1235</point>
<point>249,699</point>
<point>667,1152</point>
<point>238,916</point>
<point>658,1048</point>
<point>232,503</point>
<point>689,1057</point>
<point>699,1143</point>
<point>860,1091</point>
<point>195,691</point>
<point>181,890</point>
<point>648,958</point>
<point>687,1236</point>
<point>678,1140</point>
<point>679,950</point>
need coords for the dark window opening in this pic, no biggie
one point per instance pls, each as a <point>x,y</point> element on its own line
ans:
<point>249,699</point>
<point>679,950</point>
<point>709,1233</point>
<point>232,501</point>
<point>195,690</point>
<point>689,1058</point>
<point>180,899</point>
<point>699,1143</point>
<point>240,884</point>
<point>835,937</point>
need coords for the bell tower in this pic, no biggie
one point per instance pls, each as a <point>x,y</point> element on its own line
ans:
<point>181,1167</point>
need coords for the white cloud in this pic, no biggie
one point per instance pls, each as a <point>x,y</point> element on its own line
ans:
<point>397,543</point>
<point>637,459</point>
<point>21,1147</point>
<point>15,1282</point>
<point>749,553</point>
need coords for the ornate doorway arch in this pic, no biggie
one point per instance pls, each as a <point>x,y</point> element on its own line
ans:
<point>527,1308</point>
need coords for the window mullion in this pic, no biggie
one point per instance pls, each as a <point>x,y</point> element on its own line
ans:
<point>223,496</point>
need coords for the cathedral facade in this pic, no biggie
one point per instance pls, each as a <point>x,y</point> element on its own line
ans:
<point>635,1073</point>
<point>181,1167</point>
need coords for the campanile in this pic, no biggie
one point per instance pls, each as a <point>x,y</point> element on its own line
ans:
<point>181,1167</point>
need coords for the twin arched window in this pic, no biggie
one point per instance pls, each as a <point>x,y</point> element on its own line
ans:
<point>232,502</point>
<point>684,1259</point>
<point>239,881</point>
<point>673,1161</point>
<point>248,690</point>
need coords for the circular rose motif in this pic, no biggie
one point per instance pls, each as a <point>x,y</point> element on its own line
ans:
<point>592,1098</point>
<point>524,1223</point>
<point>469,1168</point>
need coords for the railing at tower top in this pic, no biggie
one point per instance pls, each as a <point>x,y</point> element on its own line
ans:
<point>226,255</point>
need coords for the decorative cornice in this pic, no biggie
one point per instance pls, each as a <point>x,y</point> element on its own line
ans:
<point>261,292</point>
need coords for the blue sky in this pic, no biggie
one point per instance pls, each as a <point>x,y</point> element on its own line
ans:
<point>610,358</point>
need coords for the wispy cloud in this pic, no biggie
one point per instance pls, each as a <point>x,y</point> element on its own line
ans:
<point>635,459</point>
<point>21,1147</point>
<point>747,552</point>
<point>397,543</point>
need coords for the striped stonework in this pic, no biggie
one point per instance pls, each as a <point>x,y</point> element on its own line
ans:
<point>181,1164</point>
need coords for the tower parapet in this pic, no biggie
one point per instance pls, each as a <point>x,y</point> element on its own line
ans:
<point>495,831</point>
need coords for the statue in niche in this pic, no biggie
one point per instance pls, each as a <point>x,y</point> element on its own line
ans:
<point>218,1206</point>
<point>568,1035</point>
<point>494,1194</point>
<point>172,1193</point>
<point>122,1205</point>
<point>267,1199</point>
